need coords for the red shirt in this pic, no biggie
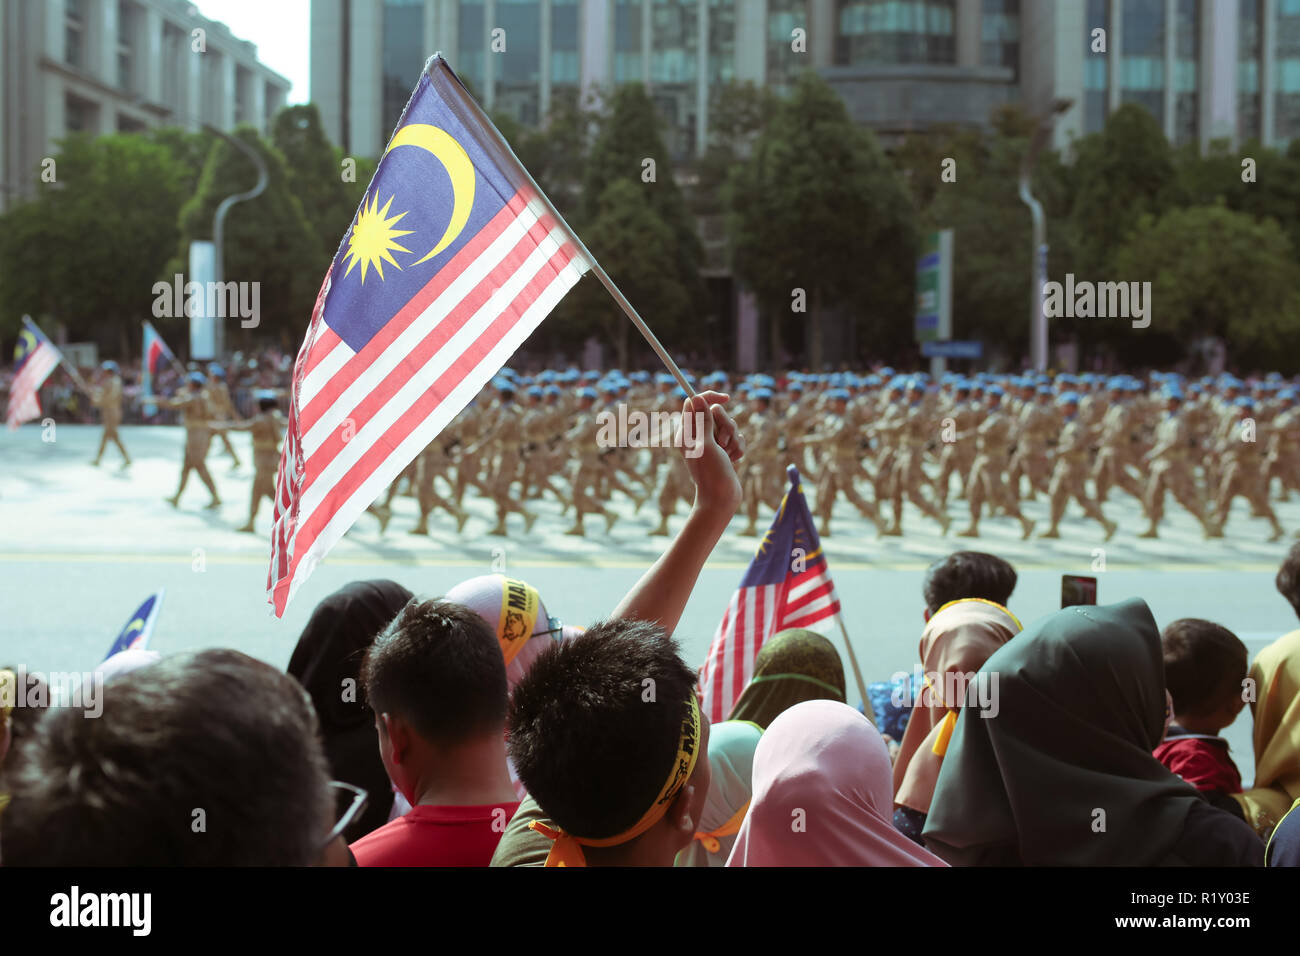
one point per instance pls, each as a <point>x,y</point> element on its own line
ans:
<point>437,836</point>
<point>1201,761</point>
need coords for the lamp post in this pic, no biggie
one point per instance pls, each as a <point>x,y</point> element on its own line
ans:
<point>219,219</point>
<point>1038,267</point>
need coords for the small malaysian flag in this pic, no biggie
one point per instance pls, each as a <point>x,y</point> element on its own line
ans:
<point>788,584</point>
<point>35,357</point>
<point>453,258</point>
<point>138,630</point>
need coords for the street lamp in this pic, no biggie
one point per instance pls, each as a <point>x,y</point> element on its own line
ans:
<point>1038,267</point>
<point>219,219</point>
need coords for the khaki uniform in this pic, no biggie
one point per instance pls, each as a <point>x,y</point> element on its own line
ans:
<point>907,477</point>
<point>1113,455</point>
<point>108,399</point>
<point>584,475</point>
<point>1244,474</point>
<point>840,440</point>
<point>1068,472</point>
<point>1035,426</point>
<point>222,407</point>
<point>987,479</point>
<point>1171,470</point>
<point>197,419</point>
<point>957,456</point>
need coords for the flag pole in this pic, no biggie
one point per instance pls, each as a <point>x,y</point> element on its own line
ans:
<point>67,366</point>
<point>488,126</point>
<point>857,673</point>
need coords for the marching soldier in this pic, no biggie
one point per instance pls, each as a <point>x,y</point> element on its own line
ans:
<point>265,428</point>
<point>840,464</point>
<point>108,399</point>
<point>987,481</point>
<point>1115,440</point>
<point>1244,473</point>
<point>1170,470</point>
<point>506,436</point>
<point>957,456</point>
<point>907,476</point>
<point>1069,471</point>
<point>222,406</point>
<point>197,419</point>
<point>585,473</point>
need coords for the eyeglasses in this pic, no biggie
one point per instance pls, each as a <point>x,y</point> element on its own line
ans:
<point>356,799</point>
<point>553,627</point>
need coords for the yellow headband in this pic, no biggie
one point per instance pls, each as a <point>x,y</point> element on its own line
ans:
<point>519,604</point>
<point>567,850</point>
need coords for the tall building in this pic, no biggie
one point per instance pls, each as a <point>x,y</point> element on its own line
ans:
<point>1206,69</point>
<point>108,66</point>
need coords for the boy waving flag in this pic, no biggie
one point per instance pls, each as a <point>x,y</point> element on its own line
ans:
<point>453,258</point>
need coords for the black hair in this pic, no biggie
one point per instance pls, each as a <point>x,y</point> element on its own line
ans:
<point>1204,664</point>
<point>266,404</point>
<point>594,725</point>
<point>207,758</point>
<point>439,666</point>
<point>1288,577</point>
<point>968,574</point>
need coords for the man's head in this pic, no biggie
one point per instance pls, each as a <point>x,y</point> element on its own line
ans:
<point>595,729</point>
<point>436,680</point>
<point>201,759</point>
<point>1288,578</point>
<point>1205,664</point>
<point>967,574</point>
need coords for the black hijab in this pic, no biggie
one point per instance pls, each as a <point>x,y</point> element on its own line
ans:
<point>329,652</point>
<point>1063,774</point>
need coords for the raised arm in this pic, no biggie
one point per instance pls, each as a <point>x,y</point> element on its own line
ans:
<point>710,453</point>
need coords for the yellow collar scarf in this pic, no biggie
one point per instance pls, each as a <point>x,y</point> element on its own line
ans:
<point>567,850</point>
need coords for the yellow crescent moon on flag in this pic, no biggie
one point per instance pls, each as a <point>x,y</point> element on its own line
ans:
<point>459,167</point>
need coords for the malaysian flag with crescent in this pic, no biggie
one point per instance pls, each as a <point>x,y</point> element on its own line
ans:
<point>34,359</point>
<point>788,584</point>
<point>452,259</point>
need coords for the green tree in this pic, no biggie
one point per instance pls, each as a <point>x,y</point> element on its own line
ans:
<point>1216,272</point>
<point>993,228</point>
<point>86,251</point>
<point>315,176</point>
<point>1123,172</point>
<point>268,240</point>
<point>629,134</point>
<point>637,249</point>
<point>819,207</point>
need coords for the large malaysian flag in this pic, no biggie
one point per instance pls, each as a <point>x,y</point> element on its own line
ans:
<point>453,258</point>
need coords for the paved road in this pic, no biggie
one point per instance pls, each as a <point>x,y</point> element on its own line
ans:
<point>80,547</point>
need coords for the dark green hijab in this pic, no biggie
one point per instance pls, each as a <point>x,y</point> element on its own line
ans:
<point>794,666</point>
<point>1081,705</point>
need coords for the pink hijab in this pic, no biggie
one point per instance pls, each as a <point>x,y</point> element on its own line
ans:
<point>822,795</point>
<point>958,639</point>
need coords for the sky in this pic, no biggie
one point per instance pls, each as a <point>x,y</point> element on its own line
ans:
<point>281,29</point>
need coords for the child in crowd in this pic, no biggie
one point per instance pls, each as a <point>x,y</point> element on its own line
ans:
<point>1205,667</point>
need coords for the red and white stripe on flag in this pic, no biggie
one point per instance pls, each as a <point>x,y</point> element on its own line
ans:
<point>357,419</point>
<point>23,403</point>
<point>756,614</point>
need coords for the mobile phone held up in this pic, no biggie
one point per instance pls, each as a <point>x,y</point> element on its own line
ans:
<point>1076,589</point>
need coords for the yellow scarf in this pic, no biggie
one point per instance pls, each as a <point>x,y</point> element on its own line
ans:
<point>567,850</point>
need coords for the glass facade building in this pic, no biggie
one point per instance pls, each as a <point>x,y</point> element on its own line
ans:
<point>1203,69</point>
